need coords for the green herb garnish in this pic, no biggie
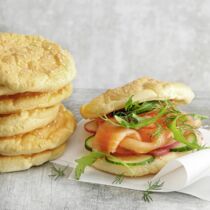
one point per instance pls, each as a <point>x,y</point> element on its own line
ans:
<point>57,172</point>
<point>198,116</point>
<point>138,108</point>
<point>130,117</point>
<point>118,179</point>
<point>89,159</point>
<point>158,130</point>
<point>179,136</point>
<point>85,161</point>
<point>175,120</point>
<point>157,185</point>
<point>134,121</point>
<point>105,118</point>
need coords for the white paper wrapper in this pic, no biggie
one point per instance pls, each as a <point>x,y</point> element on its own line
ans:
<point>189,174</point>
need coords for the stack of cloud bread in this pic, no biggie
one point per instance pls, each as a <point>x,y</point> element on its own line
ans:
<point>35,76</point>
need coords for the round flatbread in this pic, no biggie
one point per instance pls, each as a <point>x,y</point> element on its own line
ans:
<point>143,89</point>
<point>28,101</point>
<point>33,64</point>
<point>45,138</point>
<point>23,162</point>
<point>25,121</point>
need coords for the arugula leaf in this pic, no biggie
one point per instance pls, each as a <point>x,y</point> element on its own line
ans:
<point>138,108</point>
<point>178,134</point>
<point>105,118</point>
<point>158,131</point>
<point>198,116</point>
<point>186,127</point>
<point>85,161</point>
<point>171,105</point>
<point>121,121</point>
<point>89,159</point>
<point>146,107</point>
<point>176,121</point>
<point>129,117</point>
<point>137,122</point>
<point>129,104</point>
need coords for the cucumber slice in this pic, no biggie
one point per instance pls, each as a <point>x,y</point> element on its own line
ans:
<point>88,143</point>
<point>182,147</point>
<point>129,160</point>
<point>134,160</point>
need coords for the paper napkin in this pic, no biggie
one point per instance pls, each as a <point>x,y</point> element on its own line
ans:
<point>189,174</point>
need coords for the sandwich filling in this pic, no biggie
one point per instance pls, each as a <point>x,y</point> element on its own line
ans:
<point>153,127</point>
<point>140,132</point>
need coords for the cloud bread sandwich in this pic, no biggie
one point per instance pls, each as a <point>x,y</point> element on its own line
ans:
<point>136,129</point>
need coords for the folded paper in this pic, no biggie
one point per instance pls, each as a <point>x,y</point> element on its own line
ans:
<point>189,174</point>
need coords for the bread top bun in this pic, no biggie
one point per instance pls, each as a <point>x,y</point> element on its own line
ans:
<point>32,64</point>
<point>142,89</point>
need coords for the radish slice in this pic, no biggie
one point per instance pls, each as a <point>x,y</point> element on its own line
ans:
<point>123,152</point>
<point>170,145</point>
<point>159,152</point>
<point>91,126</point>
<point>164,150</point>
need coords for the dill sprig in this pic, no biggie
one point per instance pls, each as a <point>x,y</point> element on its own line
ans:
<point>157,185</point>
<point>57,172</point>
<point>118,179</point>
<point>158,130</point>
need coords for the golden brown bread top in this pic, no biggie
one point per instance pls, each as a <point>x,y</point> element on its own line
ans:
<point>33,64</point>
<point>23,162</point>
<point>48,137</point>
<point>142,89</point>
<point>27,120</point>
<point>28,100</point>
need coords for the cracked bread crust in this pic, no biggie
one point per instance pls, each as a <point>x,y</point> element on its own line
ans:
<point>142,89</point>
<point>33,64</point>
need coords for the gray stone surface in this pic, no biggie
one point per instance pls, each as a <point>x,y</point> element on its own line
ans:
<point>114,41</point>
<point>35,190</point>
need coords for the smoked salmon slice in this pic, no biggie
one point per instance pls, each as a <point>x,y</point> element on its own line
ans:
<point>108,137</point>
